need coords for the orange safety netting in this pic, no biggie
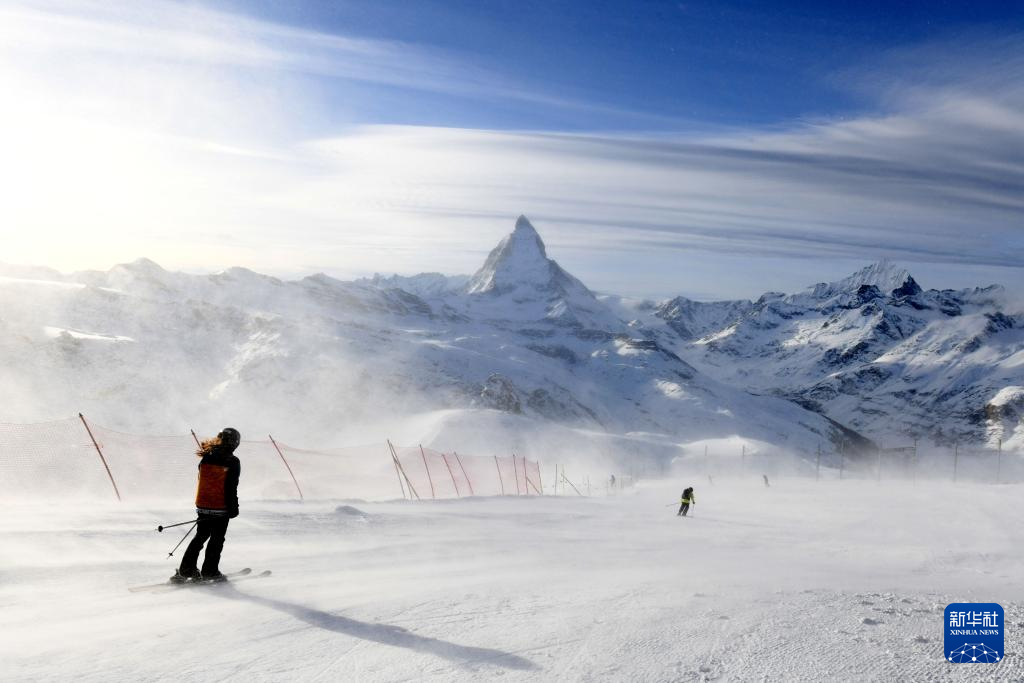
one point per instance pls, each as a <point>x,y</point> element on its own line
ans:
<point>432,474</point>
<point>76,458</point>
<point>50,459</point>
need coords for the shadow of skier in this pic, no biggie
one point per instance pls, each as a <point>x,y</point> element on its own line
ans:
<point>384,633</point>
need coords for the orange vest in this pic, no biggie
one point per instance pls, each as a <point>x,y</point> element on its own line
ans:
<point>210,492</point>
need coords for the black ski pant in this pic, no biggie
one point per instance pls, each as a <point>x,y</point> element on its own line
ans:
<point>683,509</point>
<point>212,529</point>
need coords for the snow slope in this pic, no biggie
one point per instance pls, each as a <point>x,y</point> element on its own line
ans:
<point>802,581</point>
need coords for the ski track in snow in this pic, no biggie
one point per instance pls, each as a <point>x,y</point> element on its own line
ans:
<point>805,581</point>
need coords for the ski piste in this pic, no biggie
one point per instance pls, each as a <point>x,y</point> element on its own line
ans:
<point>232,577</point>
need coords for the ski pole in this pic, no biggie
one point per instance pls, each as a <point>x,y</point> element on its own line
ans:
<point>170,526</point>
<point>170,554</point>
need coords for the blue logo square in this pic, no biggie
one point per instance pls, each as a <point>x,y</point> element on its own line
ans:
<point>974,633</point>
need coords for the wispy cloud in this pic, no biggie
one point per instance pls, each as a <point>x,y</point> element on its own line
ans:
<point>161,33</point>
<point>941,180</point>
<point>176,33</point>
<point>181,133</point>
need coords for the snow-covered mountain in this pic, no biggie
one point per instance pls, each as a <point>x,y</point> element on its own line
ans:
<point>873,350</point>
<point>520,345</point>
<point>141,348</point>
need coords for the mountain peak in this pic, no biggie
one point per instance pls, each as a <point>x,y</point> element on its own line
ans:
<point>526,240</point>
<point>887,276</point>
<point>519,259</point>
<point>884,274</point>
<point>523,223</point>
<point>143,265</point>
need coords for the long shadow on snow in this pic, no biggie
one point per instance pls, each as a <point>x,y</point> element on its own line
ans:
<point>382,633</point>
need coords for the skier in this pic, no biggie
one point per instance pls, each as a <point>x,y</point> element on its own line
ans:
<point>216,503</point>
<point>687,499</point>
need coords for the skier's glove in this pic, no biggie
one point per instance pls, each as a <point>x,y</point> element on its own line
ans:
<point>233,513</point>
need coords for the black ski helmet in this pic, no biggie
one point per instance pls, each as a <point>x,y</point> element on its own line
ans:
<point>230,437</point>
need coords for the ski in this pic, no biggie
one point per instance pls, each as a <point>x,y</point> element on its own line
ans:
<point>262,575</point>
<point>247,576</point>
<point>171,584</point>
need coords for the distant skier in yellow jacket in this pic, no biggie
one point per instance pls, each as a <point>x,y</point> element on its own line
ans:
<point>687,500</point>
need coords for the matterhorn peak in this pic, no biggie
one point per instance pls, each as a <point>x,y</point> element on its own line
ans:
<point>526,239</point>
<point>523,223</point>
<point>520,282</point>
<point>519,259</point>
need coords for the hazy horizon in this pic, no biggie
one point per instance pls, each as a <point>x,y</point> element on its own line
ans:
<point>928,278</point>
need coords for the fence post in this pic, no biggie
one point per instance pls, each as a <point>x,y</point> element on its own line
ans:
<point>398,463</point>
<point>427,468</point>
<point>468,480</point>
<point>999,462</point>
<point>515,468</point>
<point>500,480</point>
<point>540,478</point>
<point>913,465</point>
<point>102,459</point>
<point>529,484</point>
<point>526,478</point>
<point>397,473</point>
<point>956,457</point>
<point>287,466</point>
<point>566,480</point>
<point>452,475</point>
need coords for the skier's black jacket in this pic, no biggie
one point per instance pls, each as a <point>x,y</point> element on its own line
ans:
<point>217,492</point>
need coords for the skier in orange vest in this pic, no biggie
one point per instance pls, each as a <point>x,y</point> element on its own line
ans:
<point>216,504</point>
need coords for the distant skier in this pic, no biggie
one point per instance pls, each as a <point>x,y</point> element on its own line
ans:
<point>686,501</point>
<point>765,480</point>
<point>216,503</point>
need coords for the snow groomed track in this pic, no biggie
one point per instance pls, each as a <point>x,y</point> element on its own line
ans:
<point>803,581</point>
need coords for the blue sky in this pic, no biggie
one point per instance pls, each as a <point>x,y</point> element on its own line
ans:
<point>709,149</point>
<point>653,65</point>
<point>647,65</point>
